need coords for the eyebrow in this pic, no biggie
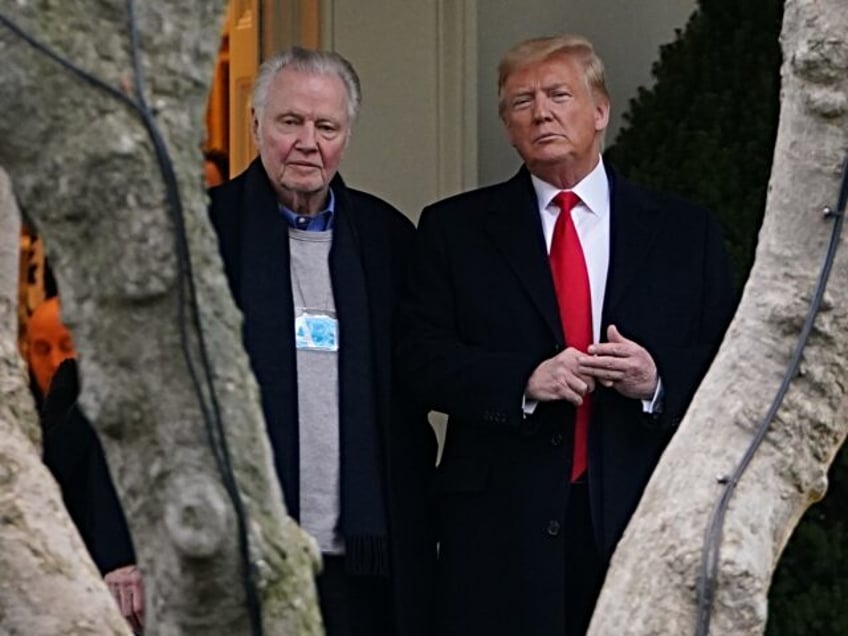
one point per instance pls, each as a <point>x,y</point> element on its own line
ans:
<point>545,88</point>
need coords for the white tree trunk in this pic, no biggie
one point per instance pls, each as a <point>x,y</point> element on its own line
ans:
<point>651,584</point>
<point>48,583</point>
<point>86,174</point>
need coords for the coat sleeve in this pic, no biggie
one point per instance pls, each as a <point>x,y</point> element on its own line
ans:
<point>439,368</point>
<point>683,368</point>
<point>73,454</point>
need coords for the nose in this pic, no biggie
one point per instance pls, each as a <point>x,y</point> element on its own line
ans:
<point>306,135</point>
<point>541,112</point>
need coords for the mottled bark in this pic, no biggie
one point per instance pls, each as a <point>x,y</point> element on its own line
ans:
<point>651,584</point>
<point>86,173</point>
<point>48,584</point>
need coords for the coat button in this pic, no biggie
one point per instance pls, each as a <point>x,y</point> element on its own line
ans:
<point>553,527</point>
<point>556,439</point>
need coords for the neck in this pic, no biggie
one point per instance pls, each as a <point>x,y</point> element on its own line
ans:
<point>304,203</point>
<point>565,176</point>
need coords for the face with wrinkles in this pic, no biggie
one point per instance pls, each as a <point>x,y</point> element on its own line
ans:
<point>553,118</point>
<point>302,131</point>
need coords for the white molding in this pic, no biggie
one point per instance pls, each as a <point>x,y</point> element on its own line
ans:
<point>456,51</point>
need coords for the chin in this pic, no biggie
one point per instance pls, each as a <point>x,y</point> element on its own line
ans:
<point>306,189</point>
<point>547,161</point>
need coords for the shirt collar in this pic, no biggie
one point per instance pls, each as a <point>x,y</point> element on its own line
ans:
<point>593,190</point>
<point>321,222</point>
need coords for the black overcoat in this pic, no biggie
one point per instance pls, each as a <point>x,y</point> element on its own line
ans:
<point>481,314</point>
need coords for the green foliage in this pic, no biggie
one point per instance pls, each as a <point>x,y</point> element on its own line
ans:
<point>706,130</point>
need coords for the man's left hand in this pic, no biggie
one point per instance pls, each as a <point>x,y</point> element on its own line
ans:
<point>621,364</point>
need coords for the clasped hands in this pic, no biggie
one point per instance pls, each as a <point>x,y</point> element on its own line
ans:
<point>620,364</point>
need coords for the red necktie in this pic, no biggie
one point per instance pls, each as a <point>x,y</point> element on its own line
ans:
<point>571,281</point>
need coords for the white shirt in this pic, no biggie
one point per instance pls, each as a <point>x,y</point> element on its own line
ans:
<point>592,221</point>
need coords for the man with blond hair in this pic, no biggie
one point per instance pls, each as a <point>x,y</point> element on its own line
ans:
<point>563,320</point>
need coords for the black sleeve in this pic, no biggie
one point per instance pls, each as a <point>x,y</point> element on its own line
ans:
<point>74,456</point>
<point>111,543</point>
<point>682,369</point>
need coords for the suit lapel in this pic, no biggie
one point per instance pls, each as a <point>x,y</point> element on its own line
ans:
<point>634,224</point>
<point>514,226</point>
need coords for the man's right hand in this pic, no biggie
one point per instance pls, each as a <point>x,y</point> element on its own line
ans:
<point>127,588</point>
<point>557,379</point>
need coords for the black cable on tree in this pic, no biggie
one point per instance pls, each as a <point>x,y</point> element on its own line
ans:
<point>186,292</point>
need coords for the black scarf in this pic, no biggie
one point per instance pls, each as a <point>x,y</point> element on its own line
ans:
<point>264,293</point>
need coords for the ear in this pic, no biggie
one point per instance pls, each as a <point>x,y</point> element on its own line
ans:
<point>254,125</point>
<point>602,113</point>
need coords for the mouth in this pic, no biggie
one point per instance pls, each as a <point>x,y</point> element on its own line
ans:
<point>302,170</point>
<point>547,137</point>
<point>303,165</point>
